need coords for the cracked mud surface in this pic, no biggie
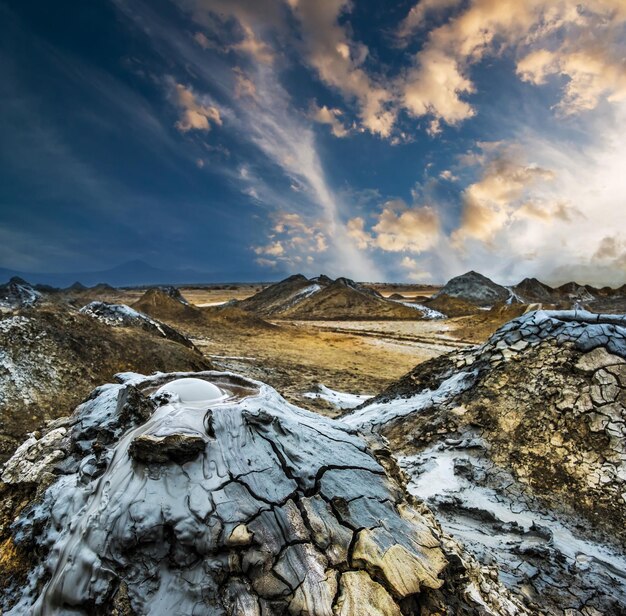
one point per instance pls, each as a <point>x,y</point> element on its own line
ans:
<point>249,505</point>
<point>525,459</point>
<point>281,512</point>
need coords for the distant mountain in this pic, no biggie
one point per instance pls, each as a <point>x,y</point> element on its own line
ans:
<point>131,273</point>
<point>475,288</point>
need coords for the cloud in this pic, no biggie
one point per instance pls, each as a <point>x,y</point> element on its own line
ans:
<point>416,17</point>
<point>356,230</point>
<point>503,189</point>
<point>398,229</point>
<point>415,271</point>
<point>202,40</point>
<point>447,175</point>
<point>434,87</point>
<point>253,46</point>
<point>244,86</point>
<point>330,117</point>
<point>275,249</point>
<point>263,262</point>
<point>194,113</point>
<point>548,212</point>
<point>610,247</point>
<point>338,62</point>
<point>592,74</point>
<point>551,226</point>
<point>582,42</point>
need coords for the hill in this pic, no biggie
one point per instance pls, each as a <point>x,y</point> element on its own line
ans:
<point>167,304</point>
<point>321,298</point>
<point>476,289</point>
<point>524,437</point>
<point>17,293</point>
<point>531,290</point>
<point>53,356</point>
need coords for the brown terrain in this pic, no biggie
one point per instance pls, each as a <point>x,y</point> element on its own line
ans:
<point>517,440</point>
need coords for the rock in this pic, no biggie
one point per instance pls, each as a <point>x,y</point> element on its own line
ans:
<point>120,315</point>
<point>34,457</point>
<point>179,448</point>
<point>404,570</point>
<point>240,536</point>
<point>18,293</point>
<point>476,289</point>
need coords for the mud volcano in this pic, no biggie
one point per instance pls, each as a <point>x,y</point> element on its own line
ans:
<point>209,493</point>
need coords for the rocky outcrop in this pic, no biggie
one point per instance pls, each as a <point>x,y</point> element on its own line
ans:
<point>520,446</point>
<point>531,291</point>
<point>324,299</point>
<point>275,297</point>
<point>167,303</point>
<point>281,511</point>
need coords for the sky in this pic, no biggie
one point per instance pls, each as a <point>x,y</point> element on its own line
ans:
<point>251,139</point>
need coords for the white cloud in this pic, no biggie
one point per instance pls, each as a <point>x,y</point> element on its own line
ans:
<point>330,117</point>
<point>338,61</point>
<point>505,187</point>
<point>195,114</point>
<point>416,271</point>
<point>435,87</point>
<point>398,228</point>
<point>275,249</point>
<point>414,21</point>
<point>584,42</point>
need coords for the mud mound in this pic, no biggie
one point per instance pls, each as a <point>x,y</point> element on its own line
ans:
<point>120,315</point>
<point>324,299</point>
<point>531,291</point>
<point>344,299</point>
<point>277,297</point>
<point>167,304</point>
<point>451,306</point>
<point>476,289</point>
<point>526,436</point>
<point>233,505</point>
<point>16,294</point>
<point>51,358</point>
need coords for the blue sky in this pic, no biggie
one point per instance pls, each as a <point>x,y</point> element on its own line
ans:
<point>255,138</point>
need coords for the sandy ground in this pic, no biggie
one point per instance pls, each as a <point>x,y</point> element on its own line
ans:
<point>294,359</point>
<point>407,290</point>
<point>354,357</point>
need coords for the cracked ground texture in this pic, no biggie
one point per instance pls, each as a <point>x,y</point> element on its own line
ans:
<point>535,445</point>
<point>139,505</point>
<point>249,507</point>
